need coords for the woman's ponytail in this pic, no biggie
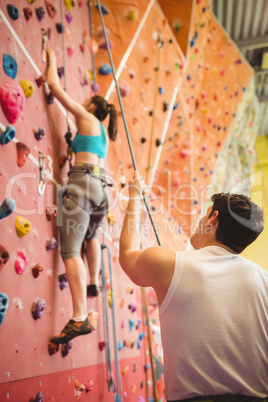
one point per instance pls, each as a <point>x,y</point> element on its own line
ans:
<point>112,128</point>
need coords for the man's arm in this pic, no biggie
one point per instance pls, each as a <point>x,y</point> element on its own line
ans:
<point>151,267</point>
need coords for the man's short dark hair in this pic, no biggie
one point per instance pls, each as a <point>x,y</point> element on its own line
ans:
<point>240,220</point>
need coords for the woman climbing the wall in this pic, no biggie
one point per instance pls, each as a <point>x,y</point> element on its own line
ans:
<point>85,202</point>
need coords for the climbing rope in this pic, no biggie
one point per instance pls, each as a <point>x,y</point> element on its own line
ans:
<point>92,54</point>
<point>68,135</point>
<point>124,119</point>
<point>159,46</point>
<point>111,385</point>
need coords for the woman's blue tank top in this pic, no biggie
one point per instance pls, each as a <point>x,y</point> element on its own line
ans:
<point>94,144</point>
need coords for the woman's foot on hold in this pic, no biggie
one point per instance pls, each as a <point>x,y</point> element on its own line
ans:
<point>73,329</point>
<point>92,290</point>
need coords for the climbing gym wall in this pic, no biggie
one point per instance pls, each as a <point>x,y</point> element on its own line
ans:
<point>184,88</point>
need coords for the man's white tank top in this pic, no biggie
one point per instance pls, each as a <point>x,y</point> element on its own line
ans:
<point>214,326</point>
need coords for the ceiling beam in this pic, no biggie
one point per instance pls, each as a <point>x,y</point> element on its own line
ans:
<point>253,43</point>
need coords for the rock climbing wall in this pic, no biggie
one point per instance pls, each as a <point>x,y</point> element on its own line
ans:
<point>181,80</point>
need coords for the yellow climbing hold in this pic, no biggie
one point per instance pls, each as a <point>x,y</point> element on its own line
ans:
<point>31,1</point>
<point>111,218</point>
<point>69,4</point>
<point>132,15</point>
<point>109,296</point>
<point>27,87</point>
<point>22,225</point>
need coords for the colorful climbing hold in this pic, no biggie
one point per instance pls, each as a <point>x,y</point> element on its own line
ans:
<point>52,348</point>
<point>132,15</point>
<point>79,388</point>
<point>12,100</point>
<point>110,297</point>
<point>22,225</point>
<point>66,348</point>
<point>120,345</point>
<point>4,256</point>
<point>39,397</point>
<point>27,87</point>
<point>50,9</point>
<point>27,13</point>
<point>110,218</point>
<point>69,4</point>
<point>63,281</point>
<point>22,153</point>
<point>13,12</point>
<point>102,345</point>
<point>7,135</point>
<point>60,28</point>
<point>51,244</point>
<point>40,81</point>
<point>105,69</point>
<point>7,207</point>
<point>125,370</point>
<point>10,65</point>
<point>39,134</point>
<point>104,9</point>
<point>124,89</point>
<point>92,45</point>
<point>36,270</point>
<point>4,302</point>
<point>21,262</point>
<point>165,106</point>
<point>51,212</point>
<point>103,45</point>
<point>131,325</point>
<point>68,17</point>
<point>40,13</point>
<point>133,389</point>
<point>38,309</point>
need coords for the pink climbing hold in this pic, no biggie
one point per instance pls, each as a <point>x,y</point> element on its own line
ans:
<point>124,89</point>
<point>176,182</point>
<point>21,262</point>
<point>185,153</point>
<point>12,100</point>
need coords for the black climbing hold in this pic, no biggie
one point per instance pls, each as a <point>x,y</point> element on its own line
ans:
<point>165,106</point>
<point>40,13</point>
<point>60,28</point>
<point>143,140</point>
<point>158,142</point>
<point>151,113</point>
<point>104,9</point>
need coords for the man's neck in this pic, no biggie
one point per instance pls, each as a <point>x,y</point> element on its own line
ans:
<point>214,242</point>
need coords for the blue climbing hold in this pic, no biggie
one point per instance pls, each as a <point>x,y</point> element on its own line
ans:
<point>176,105</point>
<point>117,398</point>
<point>131,324</point>
<point>141,336</point>
<point>10,65</point>
<point>160,90</point>
<point>104,9</point>
<point>120,345</point>
<point>7,135</point>
<point>7,207</point>
<point>105,69</point>
<point>138,344</point>
<point>13,12</point>
<point>4,302</point>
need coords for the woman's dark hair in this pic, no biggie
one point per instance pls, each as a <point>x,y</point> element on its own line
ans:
<point>240,221</point>
<point>101,111</point>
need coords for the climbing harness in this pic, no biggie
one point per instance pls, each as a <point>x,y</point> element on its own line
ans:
<point>111,385</point>
<point>124,118</point>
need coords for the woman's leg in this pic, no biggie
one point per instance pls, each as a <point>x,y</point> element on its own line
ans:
<point>93,254</point>
<point>77,279</point>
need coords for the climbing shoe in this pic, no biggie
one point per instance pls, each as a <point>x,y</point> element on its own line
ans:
<point>92,290</point>
<point>73,329</point>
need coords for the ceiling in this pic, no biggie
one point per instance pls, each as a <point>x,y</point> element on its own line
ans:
<point>246,21</point>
